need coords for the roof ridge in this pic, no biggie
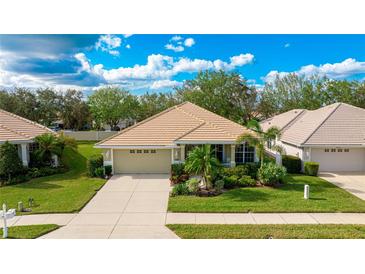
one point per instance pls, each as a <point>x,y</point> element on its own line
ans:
<point>324,120</point>
<point>212,124</point>
<point>190,131</point>
<point>25,120</point>
<point>141,122</point>
<point>16,132</point>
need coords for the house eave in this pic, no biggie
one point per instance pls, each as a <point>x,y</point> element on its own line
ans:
<point>135,147</point>
<point>201,142</point>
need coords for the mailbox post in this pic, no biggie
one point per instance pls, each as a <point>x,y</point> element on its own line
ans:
<point>6,215</point>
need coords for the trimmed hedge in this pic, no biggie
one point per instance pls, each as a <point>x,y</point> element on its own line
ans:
<point>292,164</point>
<point>94,162</point>
<point>311,168</point>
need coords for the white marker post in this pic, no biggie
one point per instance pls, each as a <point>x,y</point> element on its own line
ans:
<point>306,192</point>
<point>6,215</point>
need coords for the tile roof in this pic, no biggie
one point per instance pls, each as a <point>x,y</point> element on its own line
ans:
<point>182,123</point>
<point>336,124</point>
<point>16,128</point>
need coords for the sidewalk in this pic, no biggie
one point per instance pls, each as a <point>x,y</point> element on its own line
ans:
<point>202,218</point>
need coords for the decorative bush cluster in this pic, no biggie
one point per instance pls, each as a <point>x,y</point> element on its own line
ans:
<point>178,174</point>
<point>94,165</point>
<point>292,164</point>
<point>240,176</point>
<point>189,187</point>
<point>311,168</point>
<point>271,174</point>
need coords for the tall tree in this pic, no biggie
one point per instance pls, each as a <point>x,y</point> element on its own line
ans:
<point>226,94</point>
<point>109,105</point>
<point>49,102</point>
<point>74,111</point>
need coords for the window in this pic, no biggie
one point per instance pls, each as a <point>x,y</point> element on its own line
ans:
<point>326,150</point>
<point>139,151</point>
<point>132,151</point>
<point>333,150</point>
<point>249,154</point>
<point>218,152</point>
<point>239,155</point>
<point>339,150</point>
<point>145,151</point>
<point>346,150</point>
<point>153,150</point>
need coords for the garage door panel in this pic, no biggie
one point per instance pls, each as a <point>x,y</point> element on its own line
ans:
<point>126,162</point>
<point>354,160</point>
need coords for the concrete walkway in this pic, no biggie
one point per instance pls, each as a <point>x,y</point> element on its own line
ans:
<point>353,182</point>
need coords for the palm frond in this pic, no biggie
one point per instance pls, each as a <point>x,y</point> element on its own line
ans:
<point>272,133</point>
<point>254,125</point>
<point>251,139</point>
<point>279,149</point>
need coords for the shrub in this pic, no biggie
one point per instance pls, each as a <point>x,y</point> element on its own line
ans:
<point>231,181</point>
<point>311,168</point>
<point>10,164</point>
<point>252,169</point>
<point>249,169</point>
<point>292,164</point>
<point>180,189</point>
<point>218,185</point>
<point>108,170</point>
<point>99,172</point>
<point>94,162</point>
<point>271,174</point>
<point>246,181</point>
<point>193,185</point>
<point>178,169</point>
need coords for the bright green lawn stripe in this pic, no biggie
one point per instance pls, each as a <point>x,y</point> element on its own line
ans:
<point>269,231</point>
<point>325,197</point>
<point>60,193</point>
<point>28,231</point>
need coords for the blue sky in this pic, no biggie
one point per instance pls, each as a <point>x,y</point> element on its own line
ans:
<point>157,63</point>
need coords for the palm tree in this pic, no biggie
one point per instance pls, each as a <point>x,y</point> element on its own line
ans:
<point>47,146</point>
<point>201,161</point>
<point>66,141</point>
<point>258,138</point>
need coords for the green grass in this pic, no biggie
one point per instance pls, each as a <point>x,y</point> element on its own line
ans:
<point>324,197</point>
<point>28,231</point>
<point>269,231</point>
<point>60,193</point>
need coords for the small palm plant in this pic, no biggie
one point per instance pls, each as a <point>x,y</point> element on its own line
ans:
<point>201,161</point>
<point>47,146</point>
<point>66,141</point>
<point>258,138</point>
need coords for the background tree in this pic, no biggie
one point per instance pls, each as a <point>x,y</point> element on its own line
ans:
<point>49,102</point>
<point>259,138</point>
<point>109,105</point>
<point>74,111</point>
<point>226,94</point>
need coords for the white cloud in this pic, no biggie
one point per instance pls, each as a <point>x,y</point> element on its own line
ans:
<point>242,59</point>
<point>128,46</point>
<point>189,42</point>
<point>127,35</point>
<point>176,38</point>
<point>85,64</point>
<point>159,84</point>
<point>174,48</point>
<point>287,45</point>
<point>340,70</point>
<point>109,43</point>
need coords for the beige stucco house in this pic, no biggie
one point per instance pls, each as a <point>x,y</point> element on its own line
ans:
<point>333,135</point>
<point>21,132</point>
<point>152,145</point>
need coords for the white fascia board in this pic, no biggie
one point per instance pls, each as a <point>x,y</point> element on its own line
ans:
<point>336,145</point>
<point>16,142</point>
<point>136,147</point>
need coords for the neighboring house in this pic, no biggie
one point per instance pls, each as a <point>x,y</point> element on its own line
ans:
<point>333,135</point>
<point>121,125</point>
<point>21,132</point>
<point>152,145</point>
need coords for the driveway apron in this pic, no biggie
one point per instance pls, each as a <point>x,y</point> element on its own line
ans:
<point>128,206</point>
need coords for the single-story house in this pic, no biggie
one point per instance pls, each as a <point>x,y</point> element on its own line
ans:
<point>333,135</point>
<point>21,132</point>
<point>152,145</point>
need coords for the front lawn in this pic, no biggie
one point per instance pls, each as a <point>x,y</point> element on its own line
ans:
<point>324,197</point>
<point>28,231</point>
<point>269,231</point>
<point>67,192</point>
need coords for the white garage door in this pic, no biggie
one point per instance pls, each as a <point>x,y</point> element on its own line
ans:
<point>339,159</point>
<point>142,161</point>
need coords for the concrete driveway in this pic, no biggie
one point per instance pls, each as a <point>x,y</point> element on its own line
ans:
<point>353,182</point>
<point>128,206</point>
